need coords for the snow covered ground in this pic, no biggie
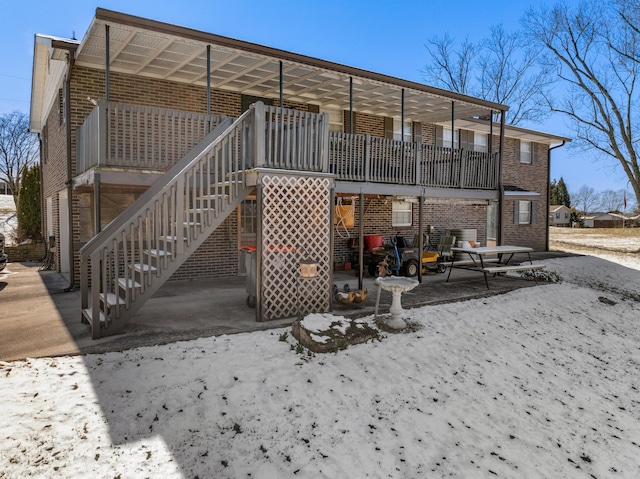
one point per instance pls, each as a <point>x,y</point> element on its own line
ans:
<point>541,382</point>
<point>8,220</point>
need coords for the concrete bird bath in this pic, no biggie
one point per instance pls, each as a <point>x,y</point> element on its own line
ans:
<point>397,285</point>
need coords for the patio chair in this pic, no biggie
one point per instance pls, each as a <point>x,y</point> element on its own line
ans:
<point>444,247</point>
<point>425,241</point>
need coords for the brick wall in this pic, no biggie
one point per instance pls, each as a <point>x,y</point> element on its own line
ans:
<point>441,215</point>
<point>23,253</point>
<point>532,177</point>
<point>218,255</point>
<point>54,169</point>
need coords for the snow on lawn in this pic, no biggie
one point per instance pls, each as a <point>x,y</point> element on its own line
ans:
<point>582,237</point>
<point>540,382</point>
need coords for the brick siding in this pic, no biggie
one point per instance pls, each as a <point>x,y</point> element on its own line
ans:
<point>531,177</point>
<point>218,256</point>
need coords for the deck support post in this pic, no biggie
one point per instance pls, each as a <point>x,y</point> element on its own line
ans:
<point>208,86</point>
<point>420,235</point>
<point>107,60</point>
<point>351,106</point>
<point>500,184</point>
<point>360,239</point>
<point>281,86</point>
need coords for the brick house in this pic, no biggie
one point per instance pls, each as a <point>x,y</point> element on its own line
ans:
<point>166,149</point>
<point>559,215</point>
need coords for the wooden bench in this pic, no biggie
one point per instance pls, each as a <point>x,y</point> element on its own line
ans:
<point>468,262</point>
<point>508,268</point>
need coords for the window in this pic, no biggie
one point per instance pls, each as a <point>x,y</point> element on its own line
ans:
<point>480,142</point>
<point>446,138</point>
<point>397,130</point>
<point>60,106</point>
<point>335,119</point>
<point>401,213</point>
<point>248,217</point>
<point>525,152</point>
<point>557,214</point>
<point>524,212</point>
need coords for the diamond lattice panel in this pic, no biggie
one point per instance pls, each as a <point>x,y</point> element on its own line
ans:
<point>295,226</point>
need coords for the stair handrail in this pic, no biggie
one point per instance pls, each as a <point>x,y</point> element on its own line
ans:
<point>116,226</point>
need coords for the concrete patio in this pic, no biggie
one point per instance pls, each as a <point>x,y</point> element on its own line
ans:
<point>38,319</point>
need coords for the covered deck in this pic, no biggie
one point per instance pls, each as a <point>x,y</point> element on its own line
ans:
<point>128,144</point>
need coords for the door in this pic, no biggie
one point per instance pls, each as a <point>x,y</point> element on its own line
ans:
<point>63,215</point>
<point>248,228</point>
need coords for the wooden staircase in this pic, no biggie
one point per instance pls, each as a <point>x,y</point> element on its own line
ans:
<point>127,262</point>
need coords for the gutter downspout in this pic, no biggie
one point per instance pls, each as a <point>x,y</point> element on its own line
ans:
<point>500,183</point>
<point>69,182</point>
<point>549,189</point>
<point>43,210</point>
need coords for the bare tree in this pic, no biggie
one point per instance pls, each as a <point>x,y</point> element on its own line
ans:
<point>502,68</point>
<point>18,148</point>
<point>595,49</point>
<point>611,200</point>
<point>585,199</point>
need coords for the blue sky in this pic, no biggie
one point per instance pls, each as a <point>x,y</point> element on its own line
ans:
<point>381,36</point>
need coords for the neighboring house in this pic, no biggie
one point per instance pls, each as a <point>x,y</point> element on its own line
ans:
<point>604,220</point>
<point>559,215</point>
<point>166,149</point>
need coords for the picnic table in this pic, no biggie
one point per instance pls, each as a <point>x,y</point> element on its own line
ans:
<point>483,260</point>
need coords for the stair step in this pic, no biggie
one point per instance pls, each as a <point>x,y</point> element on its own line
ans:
<point>111,299</point>
<point>157,252</point>
<point>88,315</point>
<point>171,238</point>
<point>191,223</point>
<point>141,267</point>
<point>126,283</point>
<point>212,197</point>
<point>201,211</point>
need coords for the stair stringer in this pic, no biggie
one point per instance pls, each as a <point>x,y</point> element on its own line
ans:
<point>116,325</point>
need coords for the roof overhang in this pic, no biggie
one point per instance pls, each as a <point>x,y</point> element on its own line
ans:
<point>149,48</point>
<point>517,194</point>
<point>49,65</point>
<point>484,126</point>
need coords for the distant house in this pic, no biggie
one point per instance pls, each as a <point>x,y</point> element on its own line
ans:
<point>603,220</point>
<point>559,215</point>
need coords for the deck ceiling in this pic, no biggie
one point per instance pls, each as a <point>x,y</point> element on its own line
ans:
<point>158,50</point>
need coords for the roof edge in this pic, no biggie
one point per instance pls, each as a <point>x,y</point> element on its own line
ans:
<point>198,35</point>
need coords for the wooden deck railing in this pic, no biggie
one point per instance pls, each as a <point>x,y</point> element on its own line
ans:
<point>133,136</point>
<point>377,160</point>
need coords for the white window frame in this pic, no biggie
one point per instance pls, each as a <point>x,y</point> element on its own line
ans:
<point>335,118</point>
<point>526,152</point>
<point>446,137</point>
<point>481,146</point>
<point>401,213</point>
<point>524,212</point>
<point>397,130</point>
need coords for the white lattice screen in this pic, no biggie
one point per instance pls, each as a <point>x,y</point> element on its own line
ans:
<point>295,225</point>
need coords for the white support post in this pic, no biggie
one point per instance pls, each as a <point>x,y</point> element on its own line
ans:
<point>258,134</point>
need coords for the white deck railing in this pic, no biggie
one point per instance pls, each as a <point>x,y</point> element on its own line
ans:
<point>131,136</point>
<point>371,159</point>
<point>123,135</point>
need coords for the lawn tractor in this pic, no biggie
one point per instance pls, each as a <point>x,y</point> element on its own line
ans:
<point>398,258</point>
